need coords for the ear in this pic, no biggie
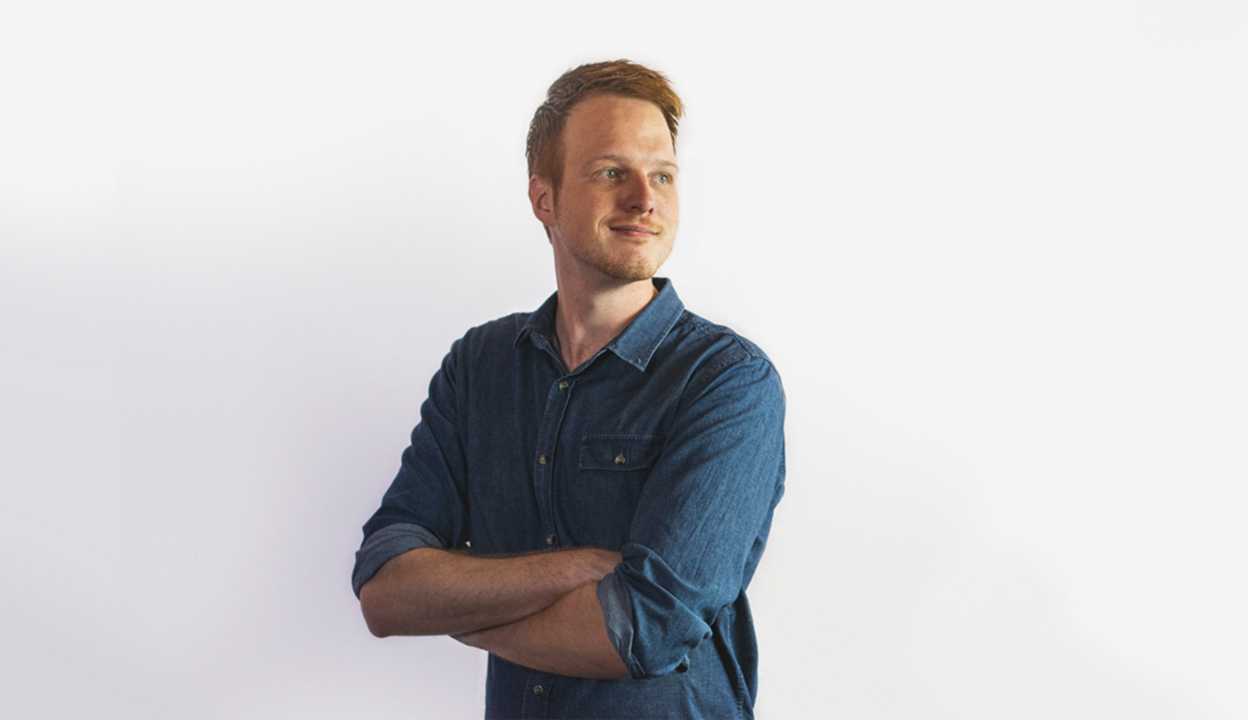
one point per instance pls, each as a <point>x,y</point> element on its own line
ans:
<point>541,197</point>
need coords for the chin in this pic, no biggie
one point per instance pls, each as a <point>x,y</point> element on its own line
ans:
<point>627,266</point>
<point>629,273</point>
<point>630,276</point>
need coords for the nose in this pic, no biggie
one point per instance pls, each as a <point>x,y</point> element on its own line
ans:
<point>639,197</point>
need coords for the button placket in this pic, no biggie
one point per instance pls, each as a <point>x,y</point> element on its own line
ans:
<point>557,399</point>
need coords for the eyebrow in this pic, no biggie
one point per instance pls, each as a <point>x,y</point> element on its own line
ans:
<point>621,159</point>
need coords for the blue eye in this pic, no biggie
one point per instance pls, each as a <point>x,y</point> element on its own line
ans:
<point>608,172</point>
<point>667,179</point>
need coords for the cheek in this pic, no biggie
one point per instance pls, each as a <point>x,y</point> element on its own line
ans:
<point>672,203</point>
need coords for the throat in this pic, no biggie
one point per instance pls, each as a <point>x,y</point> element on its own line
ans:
<point>571,362</point>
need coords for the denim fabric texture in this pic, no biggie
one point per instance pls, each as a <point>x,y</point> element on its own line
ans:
<point>667,446</point>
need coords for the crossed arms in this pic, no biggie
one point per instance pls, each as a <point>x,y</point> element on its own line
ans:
<point>697,533</point>
<point>539,610</point>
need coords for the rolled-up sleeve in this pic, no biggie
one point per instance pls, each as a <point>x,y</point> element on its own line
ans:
<point>425,503</point>
<point>702,520</point>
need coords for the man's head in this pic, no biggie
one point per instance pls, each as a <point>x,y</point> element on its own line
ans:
<point>602,155</point>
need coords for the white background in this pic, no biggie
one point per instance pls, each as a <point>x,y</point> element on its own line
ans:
<point>995,250</point>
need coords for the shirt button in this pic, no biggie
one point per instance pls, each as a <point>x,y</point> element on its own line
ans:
<point>620,459</point>
<point>541,459</point>
<point>550,539</point>
<point>538,690</point>
<point>563,384</point>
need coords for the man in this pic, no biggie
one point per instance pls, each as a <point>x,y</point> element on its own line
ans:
<point>590,486</point>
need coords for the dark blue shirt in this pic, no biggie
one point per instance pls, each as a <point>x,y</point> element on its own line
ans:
<point>667,446</point>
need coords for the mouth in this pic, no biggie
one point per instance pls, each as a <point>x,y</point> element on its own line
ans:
<point>636,231</point>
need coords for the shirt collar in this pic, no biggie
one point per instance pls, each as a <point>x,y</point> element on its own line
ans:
<point>638,342</point>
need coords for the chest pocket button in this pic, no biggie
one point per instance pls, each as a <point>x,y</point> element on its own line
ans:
<point>619,452</point>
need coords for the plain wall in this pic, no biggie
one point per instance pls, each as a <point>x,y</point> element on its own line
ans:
<point>994,249</point>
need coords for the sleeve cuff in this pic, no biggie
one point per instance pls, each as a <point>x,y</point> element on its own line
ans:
<point>386,543</point>
<point>652,629</point>
<point>618,616</point>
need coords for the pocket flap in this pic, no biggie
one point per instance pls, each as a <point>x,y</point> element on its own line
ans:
<point>619,452</point>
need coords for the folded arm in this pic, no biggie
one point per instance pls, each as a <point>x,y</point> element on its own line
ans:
<point>568,638</point>
<point>428,591</point>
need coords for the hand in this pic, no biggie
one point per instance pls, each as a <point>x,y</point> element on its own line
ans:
<point>602,562</point>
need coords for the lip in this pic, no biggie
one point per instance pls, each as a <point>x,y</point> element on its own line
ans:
<point>634,230</point>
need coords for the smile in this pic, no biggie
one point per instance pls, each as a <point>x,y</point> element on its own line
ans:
<point>634,231</point>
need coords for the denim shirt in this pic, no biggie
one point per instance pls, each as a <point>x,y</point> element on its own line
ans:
<point>666,446</point>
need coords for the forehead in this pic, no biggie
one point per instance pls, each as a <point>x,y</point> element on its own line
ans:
<point>610,124</point>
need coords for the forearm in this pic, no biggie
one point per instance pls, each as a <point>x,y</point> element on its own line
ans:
<point>567,638</point>
<point>428,591</point>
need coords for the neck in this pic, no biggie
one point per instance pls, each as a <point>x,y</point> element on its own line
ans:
<point>588,317</point>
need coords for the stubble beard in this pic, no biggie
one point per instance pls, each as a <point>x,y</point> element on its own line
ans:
<point>632,268</point>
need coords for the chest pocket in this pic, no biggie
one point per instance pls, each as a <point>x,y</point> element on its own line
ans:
<point>598,502</point>
<point>619,452</point>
